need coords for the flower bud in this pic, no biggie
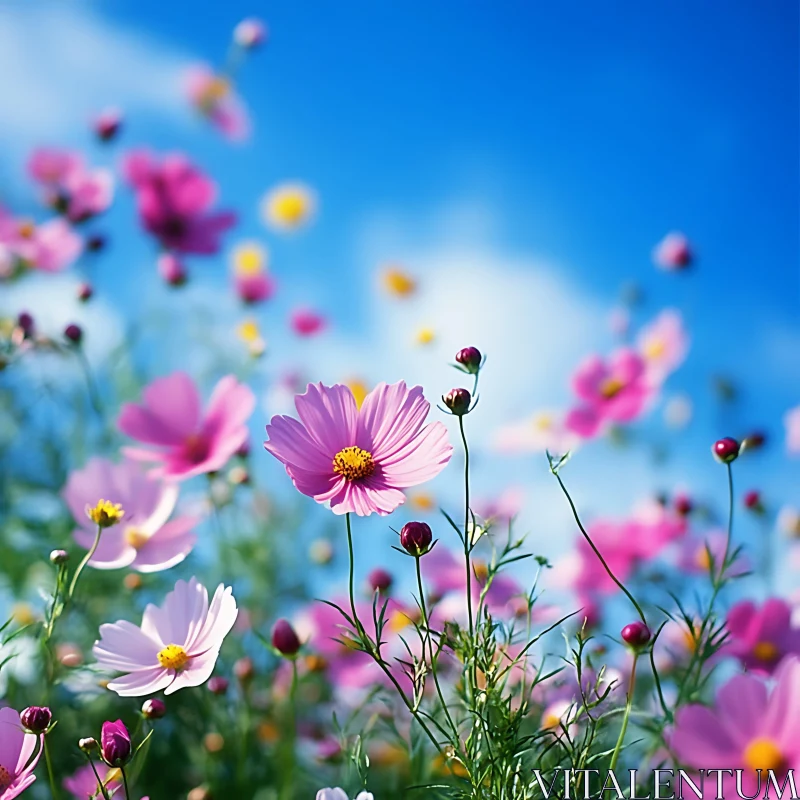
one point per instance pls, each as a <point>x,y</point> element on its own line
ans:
<point>171,269</point>
<point>284,638</point>
<point>458,400</point>
<point>88,744</point>
<point>380,580</point>
<point>85,292</point>
<point>250,33</point>
<point>59,557</point>
<point>752,501</point>
<point>244,669</point>
<point>74,333</point>
<point>416,538</point>
<point>683,505</point>
<point>107,124</point>
<point>636,634</point>
<point>153,708</point>
<point>470,359</point>
<point>96,243</point>
<point>754,441</point>
<point>217,685</point>
<point>36,719</point>
<point>115,744</point>
<point>725,450</point>
<point>25,321</point>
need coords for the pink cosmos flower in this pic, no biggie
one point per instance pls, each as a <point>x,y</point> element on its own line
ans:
<point>214,97</point>
<point>189,443</point>
<point>17,759</point>
<point>693,556</point>
<point>359,460</point>
<point>254,288</point>
<point>82,784</point>
<point>543,431</point>
<point>791,420</point>
<point>50,247</point>
<point>250,33</point>
<point>613,391</point>
<point>761,637</point>
<point>673,252</point>
<point>306,322</point>
<point>174,200</point>
<point>502,508</point>
<point>663,345</point>
<point>176,646</point>
<point>750,727</point>
<point>51,166</point>
<point>147,540</point>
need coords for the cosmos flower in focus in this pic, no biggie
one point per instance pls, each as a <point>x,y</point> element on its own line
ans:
<point>673,253</point>
<point>791,421</point>
<point>215,98</point>
<point>174,200</point>
<point>306,322</point>
<point>359,460</point>
<point>146,540</point>
<point>761,637</point>
<point>251,279</point>
<point>176,646</point>
<point>288,206</point>
<point>747,728</point>
<point>663,344</point>
<point>610,391</point>
<point>17,758</point>
<point>398,282</point>
<point>187,441</point>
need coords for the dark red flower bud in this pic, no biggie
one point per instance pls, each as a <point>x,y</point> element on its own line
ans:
<point>107,124</point>
<point>683,505</point>
<point>36,719</point>
<point>171,269</point>
<point>217,685</point>
<point>458,400</point>
<point>752,500</point>
<point>284,638</point>
<point>416,538</point>
<point>636,634</point>
<point>85,292</point>
<point>25,321</point>
<point>96,243</point>
<point>725,450</point>
<point>153,708</point>
<point>380,580</point>
<point>470,358</point>
<point>115,744</point>
<point>74,333</point>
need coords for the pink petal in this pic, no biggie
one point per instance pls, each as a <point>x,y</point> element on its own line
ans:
<point>419,459</point>
<point>330,416</point>
<point>175,402</point>
<point>217,625</point>
<point>196,674</point>
<point>168,547</point>
<point>125,647</point>
<point>389,416</point>
<point>142,682</point>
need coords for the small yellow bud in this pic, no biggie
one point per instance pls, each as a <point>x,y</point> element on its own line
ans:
<point>105,513</point>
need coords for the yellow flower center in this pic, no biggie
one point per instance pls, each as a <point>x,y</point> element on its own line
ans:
<point>481,570</point>
<point>26,229</point>
<point>5,777</point>
<point>399,621</point>
<point>353,463</point>
<point>289,207</point>
<point>398,282</point>
<point>173,656</point>
<point>543,422</point>
<point>764,754</point>
<point>702,559</point>
<point>215,90</point>
<point>425,335</point>
<point>551,720</point>
<point>315,663</point>
<point>655,349</point>
<point>136,538</point>
<point>248,331</point>
<point>359,390</point>
<point>248,260</point>
<point>766,651</point>
<point>105,513</point>
<point>422,501</point>
<point>611,387</point>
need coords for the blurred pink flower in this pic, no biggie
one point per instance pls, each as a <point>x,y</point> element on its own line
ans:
<point>750,727</point>
<point>613,391</point>
<point>673,252</point>
<point>693,556</point>
<point>82,784</point>
<point>791,420</point>
<point>174,200</point>
<point>176,646</point>
<point>254,288</point>
<point>51,166</point>
<point>544,431</point>
<point>214,97</point>
<point>250,33</point>
<point>17,759</point>
<point>359,460</point>
<point>502,508</point>
<point>50,247</point>
<point>189,443</point>
<point>761,637</point>
<point>306,322</point>
<point>146,540</point>
<point>663,344</point>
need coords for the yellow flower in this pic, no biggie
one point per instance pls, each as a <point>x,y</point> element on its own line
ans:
<point>288,206</point>
<point>398,283</point>
<point>249,258</point>
<point>22,614</point>
<point>425,336</point>
<point>422,501</point>
<point>250,334</point>
<point>105,513</point>
<point>359,390</point>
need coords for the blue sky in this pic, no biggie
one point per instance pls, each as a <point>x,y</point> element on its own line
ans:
<point>521,158</point>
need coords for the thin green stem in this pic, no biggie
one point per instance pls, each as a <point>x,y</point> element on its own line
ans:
<point>628,705</point>
<point>82,565</point>
<point>731,502</point>
<point>288,771</point>
<point>50,774</point>
<point>100,783</point>
<point>125,783</point>
<point>467,532</point>
<point>596,551</point>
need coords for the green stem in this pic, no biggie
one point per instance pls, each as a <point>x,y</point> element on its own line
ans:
<point>288,773</point>
<point>100,783</point>
<point>467,532</point>
<point>83,564</point>
<point>125,783</point>
<point>50,774</point>
<point>729,535</point>
<point>626,717</point>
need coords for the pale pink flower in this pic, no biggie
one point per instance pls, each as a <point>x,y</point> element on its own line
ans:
<point>188,441</point>
<point>544,431</point>
<point>761,637</point>
<point>176,646</point>
<point>51,166</point>
<point>751,726</point>
<point>791,420</point>
<point>50,247</point>
<point>307,322</point>
<point>694,552</point>
<point>87,193</point>
<point>663,344</point>
<point>610,391</point>
<point>17,758</point>
<point>82,784</point>
<point>250,33</point>
<point>501,508</point>
<point>359,460</point>
<point>673,252</point>
<point>214,97</point>
<point>146,540</point>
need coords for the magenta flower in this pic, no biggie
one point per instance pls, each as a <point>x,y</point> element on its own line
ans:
<point>147,540</point>
<point>612,391</point>
<point>663,345</point>
<point>673,253</point>
<point>359,460</point>
<point>214,97</point>
<point>174,200</point>
<point>176,646</point>
<point>761,637</point>
<point>82,784</point>
<point>306,322</point>
<point>17,759</point>
<point>115,743</point>
<point>254,288</point>
<point>750,727</point>
<point>189,442</point>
